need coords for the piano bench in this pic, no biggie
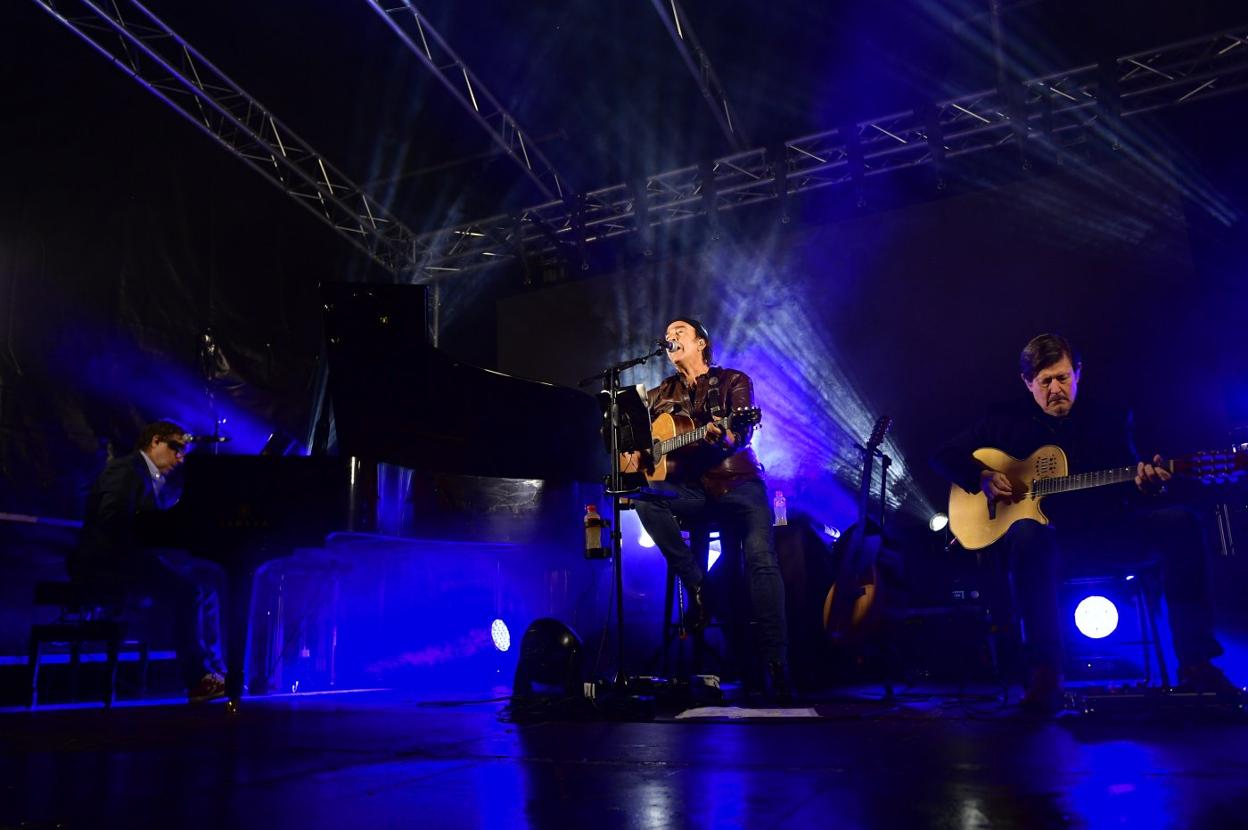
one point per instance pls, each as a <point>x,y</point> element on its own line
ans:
<point>86,615</point>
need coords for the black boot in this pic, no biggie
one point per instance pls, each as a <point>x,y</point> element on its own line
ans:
<point>696,615</point>
<point>778,680</point>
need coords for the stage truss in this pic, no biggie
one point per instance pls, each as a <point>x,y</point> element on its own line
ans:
<point>1046,115</point>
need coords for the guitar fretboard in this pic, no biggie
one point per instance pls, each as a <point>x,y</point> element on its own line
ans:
<point>690,437</point>
<point>1081,481</point>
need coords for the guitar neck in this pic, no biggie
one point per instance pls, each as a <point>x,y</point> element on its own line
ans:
<point>1082,481</point>
<point>691,437</point>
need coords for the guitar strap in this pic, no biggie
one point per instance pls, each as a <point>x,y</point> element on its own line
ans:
<point>714,403</point>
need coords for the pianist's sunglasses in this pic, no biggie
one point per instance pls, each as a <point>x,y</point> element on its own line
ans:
<point>177,446</point>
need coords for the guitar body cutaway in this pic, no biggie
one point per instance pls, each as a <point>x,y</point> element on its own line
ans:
<point>975,523</point>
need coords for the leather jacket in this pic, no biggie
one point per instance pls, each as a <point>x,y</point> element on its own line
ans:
<point>719,468</point>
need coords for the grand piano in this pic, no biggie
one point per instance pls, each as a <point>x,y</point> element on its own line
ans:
<point>396,400</point>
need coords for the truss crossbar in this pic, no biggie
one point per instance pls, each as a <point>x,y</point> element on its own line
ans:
<point>423,41</point>
<point>696,60</point>
<point>138,43</point>
<point>1058,112</point>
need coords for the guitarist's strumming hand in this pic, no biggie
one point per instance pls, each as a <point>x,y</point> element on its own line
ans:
<point>1151,478</point>
<point>717,435</point>
<point>996,486</point>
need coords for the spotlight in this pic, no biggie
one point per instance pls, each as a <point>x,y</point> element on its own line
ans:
<point>550,662</point>
<point>644,540</point>
<point>1096,617</point>
<point>938,522</point>
<point>500,634</point>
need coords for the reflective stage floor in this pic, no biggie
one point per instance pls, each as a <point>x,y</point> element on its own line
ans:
<point>387,759</point>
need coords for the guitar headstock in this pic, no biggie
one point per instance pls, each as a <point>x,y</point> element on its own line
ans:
<point>1216,467</point>
<point>744,416</point>
<point>882,426</point>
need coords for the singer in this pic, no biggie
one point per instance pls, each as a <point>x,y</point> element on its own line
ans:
<point>724,481</point>
<point>115,554</point>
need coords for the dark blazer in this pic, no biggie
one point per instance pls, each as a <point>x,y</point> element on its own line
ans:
<point>122,493</point>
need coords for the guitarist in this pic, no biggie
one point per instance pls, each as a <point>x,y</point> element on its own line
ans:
<point>1094,436</point>
<point>720,477</point>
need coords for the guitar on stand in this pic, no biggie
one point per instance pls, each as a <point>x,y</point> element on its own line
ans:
<point>854,605</point>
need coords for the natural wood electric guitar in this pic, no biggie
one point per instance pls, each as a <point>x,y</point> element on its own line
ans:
<point>675,431</point>
<point>977,522</point>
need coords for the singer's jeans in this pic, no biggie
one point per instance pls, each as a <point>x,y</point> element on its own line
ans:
<point>746,506</point>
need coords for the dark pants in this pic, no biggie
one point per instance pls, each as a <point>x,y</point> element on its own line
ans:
<point>190,588</point>
<point>745,507</point>
<point>1174,535</point>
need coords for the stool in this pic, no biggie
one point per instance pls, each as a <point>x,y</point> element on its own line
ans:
<point>87,615</point>
<point>699,535</point>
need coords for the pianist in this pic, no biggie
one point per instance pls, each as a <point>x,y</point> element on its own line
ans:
<point>120,551</point>
<point>719,480</point>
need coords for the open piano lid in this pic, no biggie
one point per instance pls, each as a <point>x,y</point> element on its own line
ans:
<point>398,399</point>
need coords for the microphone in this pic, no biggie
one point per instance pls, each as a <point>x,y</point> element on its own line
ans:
<point>207,439</point>
<point>667,345</point>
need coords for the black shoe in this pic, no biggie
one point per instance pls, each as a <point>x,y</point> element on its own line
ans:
<point>696,615</point>
<point>1044,694</point>
<point>781,691</point>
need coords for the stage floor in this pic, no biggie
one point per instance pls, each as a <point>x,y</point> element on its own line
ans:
<point>385,759</point>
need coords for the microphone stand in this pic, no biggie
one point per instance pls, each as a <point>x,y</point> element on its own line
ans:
<point>617,490</point>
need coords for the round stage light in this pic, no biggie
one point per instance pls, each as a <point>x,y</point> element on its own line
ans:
<point>1096,617</point>
<point>644,540</point>
<point>938,522</point>
<point>501,635</point>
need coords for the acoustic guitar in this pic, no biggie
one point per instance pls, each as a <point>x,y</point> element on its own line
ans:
<point>977,523</point>
<point>853,605</point>
<point>675,435</point>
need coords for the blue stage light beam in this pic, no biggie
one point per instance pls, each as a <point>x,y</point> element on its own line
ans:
<point>762,323</point>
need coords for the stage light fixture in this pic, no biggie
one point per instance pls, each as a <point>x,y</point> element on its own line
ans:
<point>1096,617</point>
<point>501,635</point>
<point>938,522</point>
<point>644,540</point>
<point>550,662</point>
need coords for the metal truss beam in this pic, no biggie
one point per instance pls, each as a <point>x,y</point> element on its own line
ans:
<point>680,28</point>
<point>432,50</point>
<point>142,46</point>
<point>1053,113</point>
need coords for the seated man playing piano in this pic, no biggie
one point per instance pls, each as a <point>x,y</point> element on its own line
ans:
<point>1094,437</point>
<point>719,474</point>
<point>117,552</point>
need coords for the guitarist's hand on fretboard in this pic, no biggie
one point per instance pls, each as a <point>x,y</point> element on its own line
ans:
<point>1151,478</point>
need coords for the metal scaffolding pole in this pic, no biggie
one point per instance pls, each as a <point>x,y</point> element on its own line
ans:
<point>142,46</point>
<point>1060,111</point>
<point>432,50</point>
<point>699,64</point>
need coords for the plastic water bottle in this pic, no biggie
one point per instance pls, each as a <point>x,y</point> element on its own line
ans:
<point>780,508</point>
<point>594,523</point>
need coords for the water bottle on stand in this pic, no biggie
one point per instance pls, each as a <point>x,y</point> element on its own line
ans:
<point>780,509</point>
<point>594,525</point>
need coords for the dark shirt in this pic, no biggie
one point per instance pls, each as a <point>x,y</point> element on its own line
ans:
<point>718,468</point>
<point>1094,436</point>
